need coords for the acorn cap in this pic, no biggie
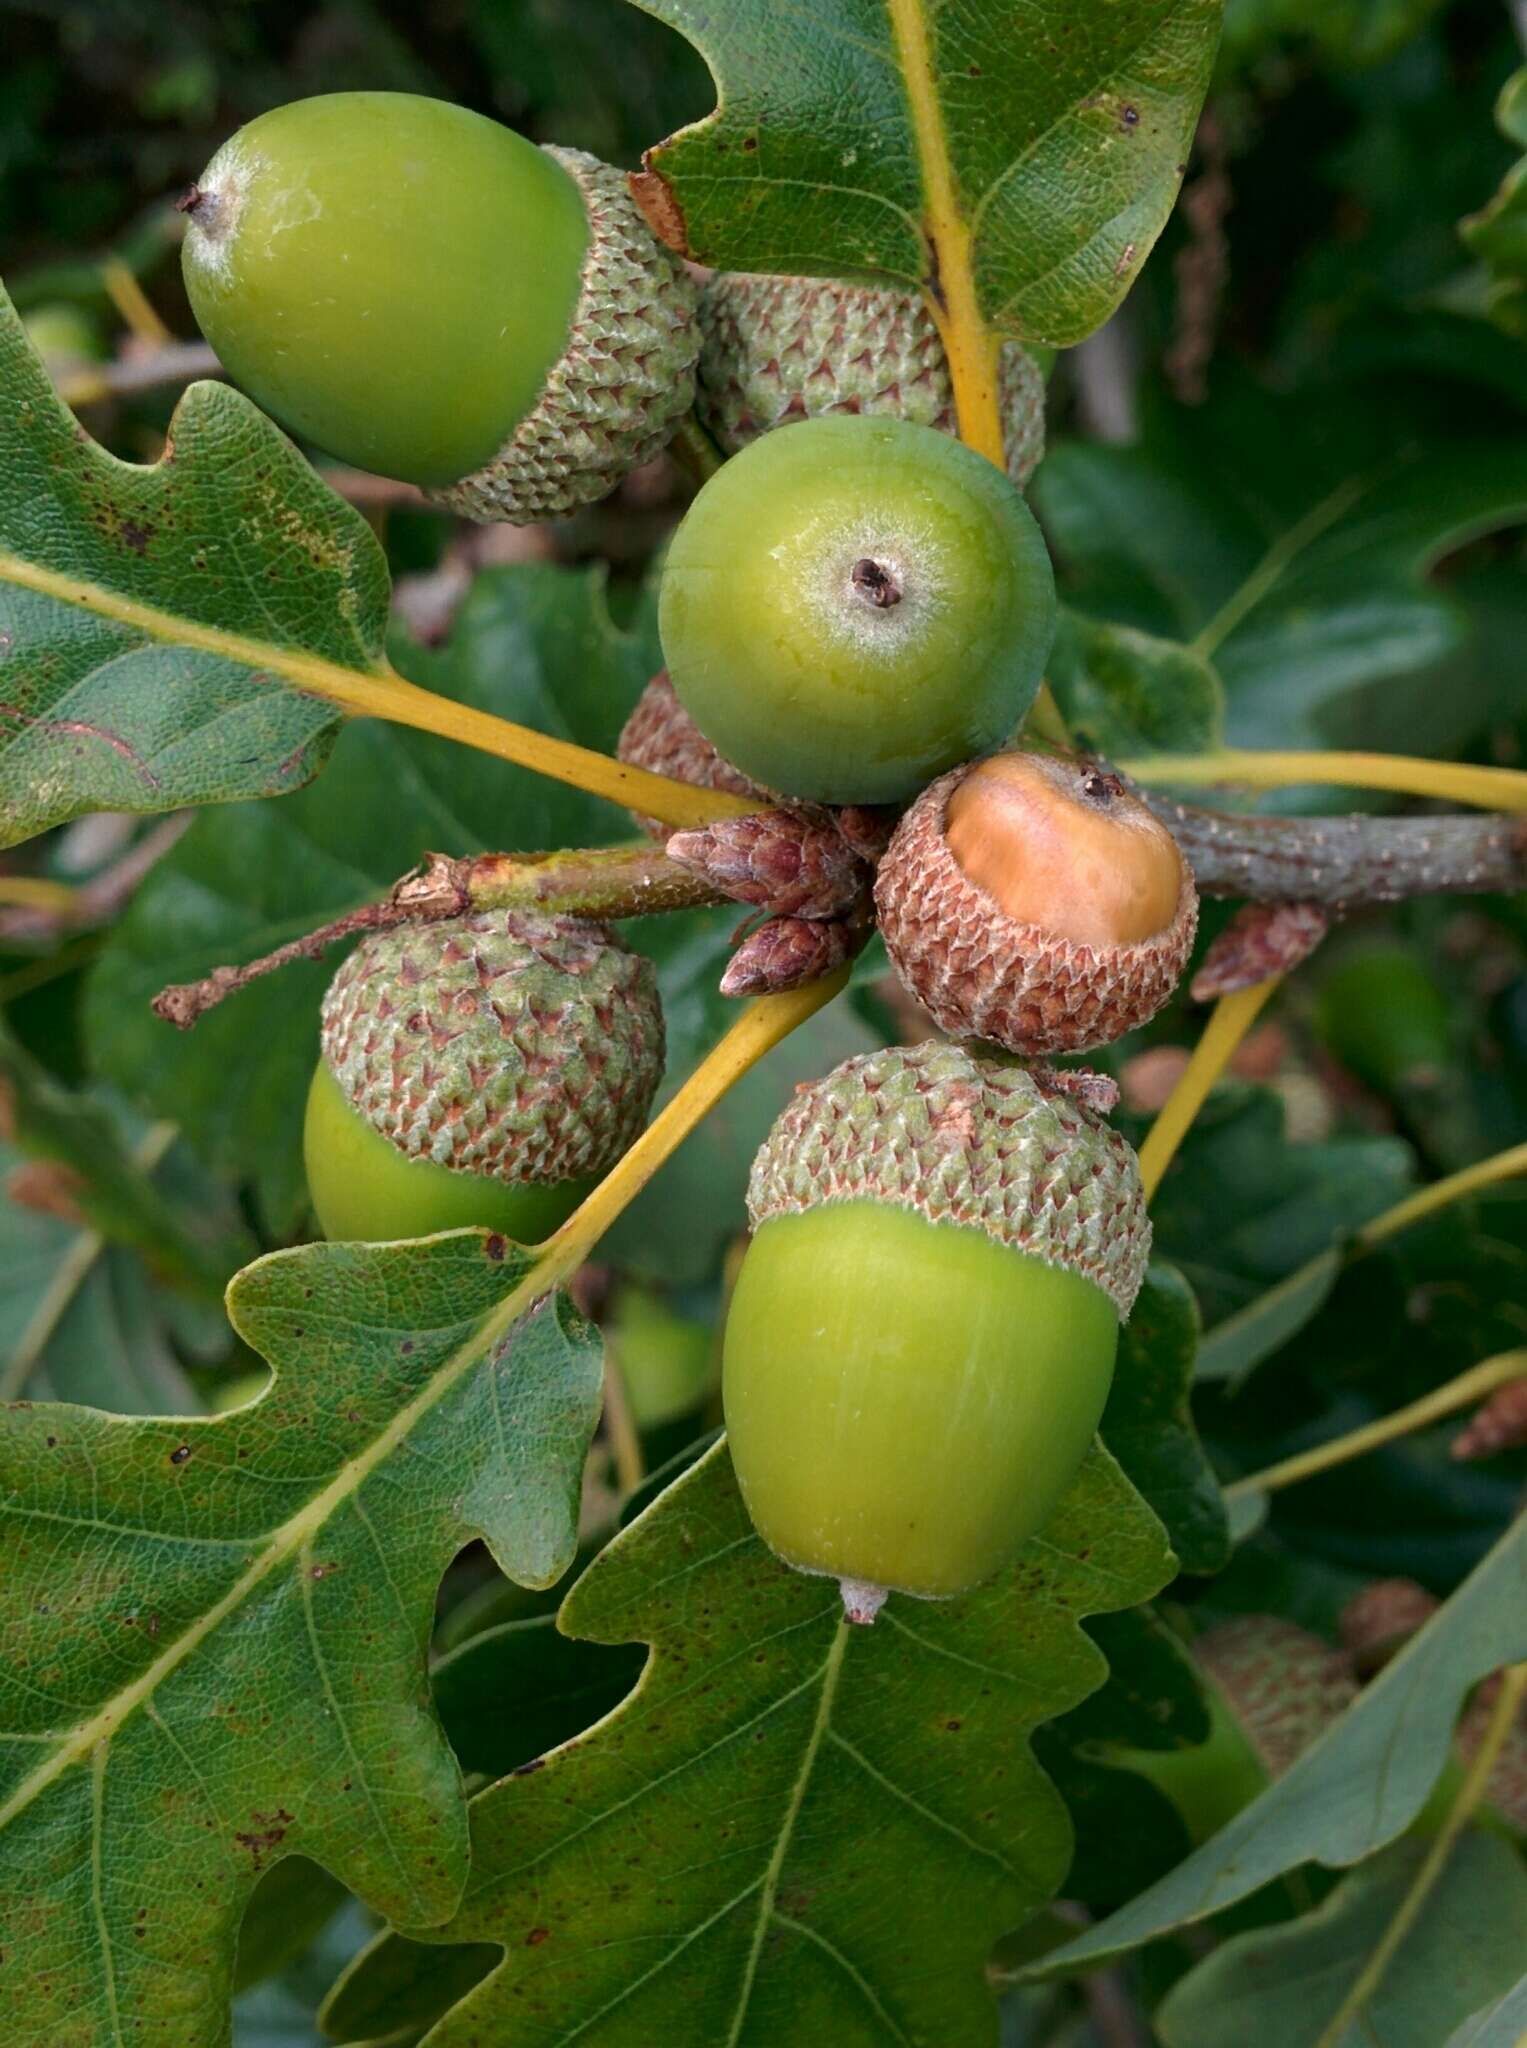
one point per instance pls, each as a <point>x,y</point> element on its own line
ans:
<point>1284,1685</point>
<point>983,974</point>
<point>527,1048</point>
<point>661,735</point>
<point>624,379</point>
<point>968,1141</point>
<point>777,349</point>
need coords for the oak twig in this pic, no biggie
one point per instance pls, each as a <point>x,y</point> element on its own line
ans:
<point>1340,861</point>
<point>599,882</point>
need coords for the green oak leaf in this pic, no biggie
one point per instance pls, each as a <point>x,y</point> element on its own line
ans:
<point>214,1631</point>
<point>1356,1788</point>
<point>1286,1983</point>
<point>1128,1833</point>
<point>1290,541</point>
<point>1242,1207</point>
<point>514,1691</point>
<point>1501,2025</point>
<point>1343,33</point>
<point>84,1320</point>
<point>195,1248</point>
<point>1148,1423</point>
<point>116,582</point>
<point>1126,692</point>
<point>1036,154</point>
<point>726,1856</point>
<point>1498,232</point>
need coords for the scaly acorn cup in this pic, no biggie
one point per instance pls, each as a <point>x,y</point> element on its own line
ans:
<point>424,293</point>
<point>855,606</point>
<point>661,735</point>
<point>923,1330</point>
<point>1037,903</point>
<point>780,349</point>
<point>482,1070</point>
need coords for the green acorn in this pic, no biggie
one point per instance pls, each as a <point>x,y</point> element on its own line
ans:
<point>424,293</point>
<point>777,349</point>
<point>922,1335</point>
<point>482,1070</point>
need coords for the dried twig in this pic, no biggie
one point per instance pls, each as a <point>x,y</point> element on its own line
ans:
<point>601,882</point>
<point>97,901</point>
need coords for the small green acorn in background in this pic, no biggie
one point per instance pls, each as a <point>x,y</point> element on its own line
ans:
<point>854,606</point>
<point>666,1360</point>
<point>776,350</point>
<point>424,293</point>
<point>482,1070</point>
<point>922,1335</point>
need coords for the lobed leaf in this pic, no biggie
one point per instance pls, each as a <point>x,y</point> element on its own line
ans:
<point>1031,159</point>
<point>120,587</point>
<point>725,1857</point>
<point>214,1631</point>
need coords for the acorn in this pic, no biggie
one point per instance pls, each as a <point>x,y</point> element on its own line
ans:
<point>1034,901</point>
<point>855,606</point>
<point>922,1334</point>
<point>484,1070</point>
<point>780,349</point>
<point>422,292</point>
<point>1271,1689</point>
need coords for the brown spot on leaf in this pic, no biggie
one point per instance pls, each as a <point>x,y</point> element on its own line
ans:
<point>536,1936</point>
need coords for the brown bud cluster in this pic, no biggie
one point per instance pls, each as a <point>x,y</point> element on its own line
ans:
<point>1499,1424</point>
<point>1261,940</point>
<point>779,862</point>
<point>787,952</point>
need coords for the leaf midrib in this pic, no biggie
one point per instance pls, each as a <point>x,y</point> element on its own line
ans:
<point>286,1542</point>
<point>832,1671</point>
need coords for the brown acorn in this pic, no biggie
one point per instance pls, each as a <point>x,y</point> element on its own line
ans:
<point>1034,901</point>
<point>779,349</point>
